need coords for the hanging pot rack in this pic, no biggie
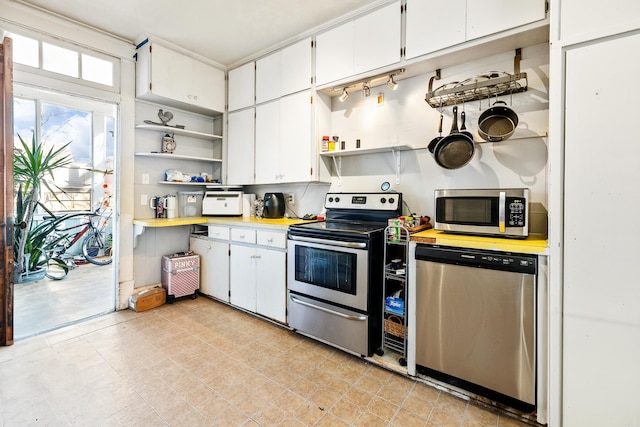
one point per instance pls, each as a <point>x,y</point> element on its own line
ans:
<point>483,86</point>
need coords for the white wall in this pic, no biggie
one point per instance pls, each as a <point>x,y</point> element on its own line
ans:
<point>405,118</point>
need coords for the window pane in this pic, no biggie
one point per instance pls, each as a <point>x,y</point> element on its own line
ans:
<point>25,50</point>
<point>59,60</point>
<point>24,118</point>
<point>61,125</point>
<point>97,70</point>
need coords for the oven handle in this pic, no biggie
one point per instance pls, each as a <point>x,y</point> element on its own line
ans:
<point>356,245</point>
<point>326,310</point>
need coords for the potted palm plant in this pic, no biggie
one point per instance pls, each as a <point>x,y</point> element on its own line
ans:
<point>33,167</point>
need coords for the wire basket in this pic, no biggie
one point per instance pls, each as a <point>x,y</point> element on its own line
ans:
<point>394,325</point>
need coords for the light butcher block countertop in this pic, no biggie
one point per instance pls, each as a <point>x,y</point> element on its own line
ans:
<point>534,244</point>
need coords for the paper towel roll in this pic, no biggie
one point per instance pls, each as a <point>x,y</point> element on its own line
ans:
<point>247,205</point>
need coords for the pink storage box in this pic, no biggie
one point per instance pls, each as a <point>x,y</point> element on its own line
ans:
<point>181,274</point>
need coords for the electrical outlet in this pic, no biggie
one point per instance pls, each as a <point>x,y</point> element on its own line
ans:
<point>145,178</point>
<point>291,199</point>
<point>144,200</point>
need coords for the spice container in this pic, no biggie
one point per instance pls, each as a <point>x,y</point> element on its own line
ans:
<point>332,143</point>
<point>325,143</point>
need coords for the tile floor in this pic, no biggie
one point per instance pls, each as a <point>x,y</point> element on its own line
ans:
<point>202,363</point>
<point>46,304</point>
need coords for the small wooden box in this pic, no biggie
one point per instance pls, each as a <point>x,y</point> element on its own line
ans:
<point>148,299</point>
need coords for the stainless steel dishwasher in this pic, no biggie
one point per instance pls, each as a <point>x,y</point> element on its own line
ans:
<point>475,321</point>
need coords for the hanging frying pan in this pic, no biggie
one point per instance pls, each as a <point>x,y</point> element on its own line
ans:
<point>434,141</point>
<point>456,149</point>
<point>497,123</point>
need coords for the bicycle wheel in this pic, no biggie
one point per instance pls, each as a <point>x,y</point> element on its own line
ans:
<point>97,249</point>
<point>56,269</point>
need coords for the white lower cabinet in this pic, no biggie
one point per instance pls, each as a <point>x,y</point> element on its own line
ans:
<point>258,272</point>
<point>214,266</point>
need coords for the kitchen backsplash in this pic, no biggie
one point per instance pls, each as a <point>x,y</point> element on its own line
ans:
<point>406,119</point>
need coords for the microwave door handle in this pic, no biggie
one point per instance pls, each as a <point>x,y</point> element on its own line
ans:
<point>501,211</point>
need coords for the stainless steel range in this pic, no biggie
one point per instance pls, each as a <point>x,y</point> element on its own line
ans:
<point>335,271</point>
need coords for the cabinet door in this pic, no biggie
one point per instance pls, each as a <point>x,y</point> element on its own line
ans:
<point>295,137</point>
<point>334,54</point>
<point>271,287</point>
<point>268,142</point>
<point>240,147</point>
<point>431,26</point>
<point>241,86</point>
<point>268,77</point>
<point>486,17</point>
<point>296,67</point>
<point>377,39</point>
<point>207,87</point>
<point>242,273</point>
<point>214,267</point>
<point>166,65</point>
<point>601,299</point>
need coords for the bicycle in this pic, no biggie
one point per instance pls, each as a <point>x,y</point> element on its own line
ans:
<point>96,246</point>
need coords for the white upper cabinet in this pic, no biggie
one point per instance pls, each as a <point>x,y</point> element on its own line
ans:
<point>169,77</point>
<point>268,81</point>
<point>284,72</point>
<point>583,20</point>
<point>295,137</point>
<point>366,43</point>
<point>486,17</point>
<point>283,140</point>
<point>268,143</point>
<point>296,67</point>
<point>241,86</point>
<point>334,54</point>
<point>240,147</point>
<point>431,26</point>
<point>377,39</point>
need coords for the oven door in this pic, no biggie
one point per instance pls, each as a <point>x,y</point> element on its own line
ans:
<point>330,270</point>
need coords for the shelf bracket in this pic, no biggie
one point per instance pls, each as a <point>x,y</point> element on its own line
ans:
<point>396,154</point>
<point>137,231</point>
<point>338,167</point>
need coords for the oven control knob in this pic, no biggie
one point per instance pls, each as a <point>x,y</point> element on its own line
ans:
<point>383,200</point>
<point>330,199</point>
<point>337,199</point>
<point>391,200</point>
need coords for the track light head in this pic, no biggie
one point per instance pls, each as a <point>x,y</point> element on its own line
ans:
<point>391,84</point>
<point>366,90</point>
<point>344,95</point>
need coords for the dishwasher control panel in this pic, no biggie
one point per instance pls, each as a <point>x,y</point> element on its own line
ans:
<point>520,263</point>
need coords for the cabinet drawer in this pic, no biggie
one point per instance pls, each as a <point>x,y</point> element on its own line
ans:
<point>243,235</point>
<point>218,232</point>
<point>273,239</point>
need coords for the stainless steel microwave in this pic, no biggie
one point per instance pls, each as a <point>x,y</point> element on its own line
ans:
<point>494,212</point>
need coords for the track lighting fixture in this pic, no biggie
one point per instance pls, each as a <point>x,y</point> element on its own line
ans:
<point>391,84</point>
<point>366,90</point>
<point>344,95</point>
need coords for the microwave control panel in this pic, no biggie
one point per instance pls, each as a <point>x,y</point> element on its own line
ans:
<point>516,211</point>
